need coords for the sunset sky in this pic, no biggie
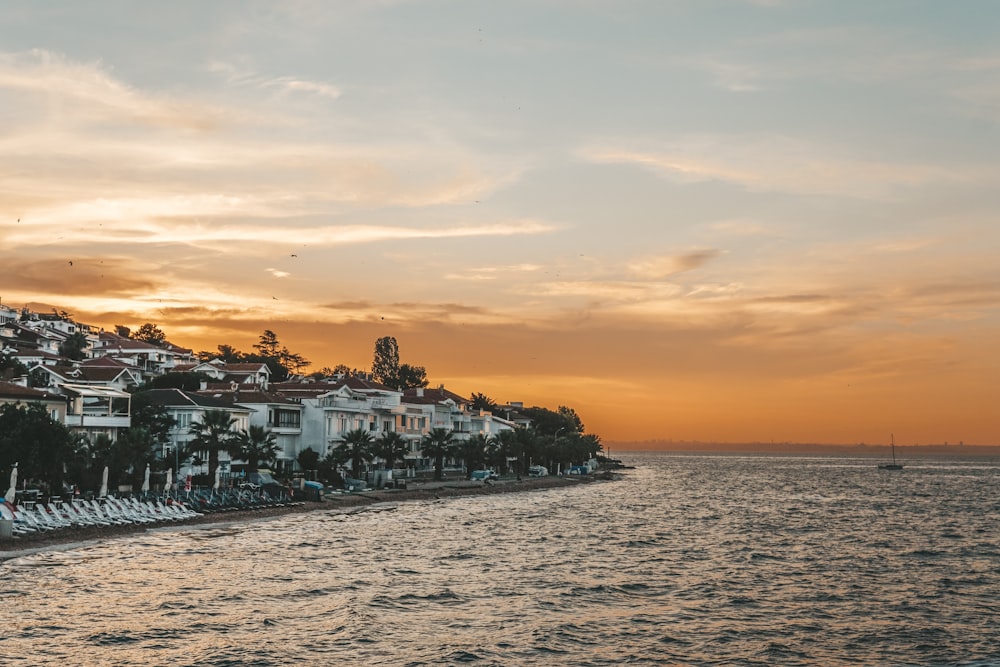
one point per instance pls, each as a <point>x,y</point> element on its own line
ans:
<point>718,220</point>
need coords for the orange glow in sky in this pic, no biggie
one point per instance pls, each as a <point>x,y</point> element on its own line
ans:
<point>734,221</point>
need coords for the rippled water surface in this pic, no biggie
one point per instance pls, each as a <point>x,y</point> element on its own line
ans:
<point>697,560</point>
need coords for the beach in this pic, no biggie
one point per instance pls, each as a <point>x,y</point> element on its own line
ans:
<point>60,538</point>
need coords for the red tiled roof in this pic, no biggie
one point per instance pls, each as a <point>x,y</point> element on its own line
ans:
<point>438,395</point>
<point>16,391</point>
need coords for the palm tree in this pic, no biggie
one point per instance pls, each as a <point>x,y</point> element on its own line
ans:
<point>255,445</point>
<point>472,452</point>
<point>213,434</point>
<point>391,447</point>
<point>359,443</point>
<point>438,444</point>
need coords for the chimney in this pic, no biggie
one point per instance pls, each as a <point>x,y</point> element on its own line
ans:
<point>420,392</point>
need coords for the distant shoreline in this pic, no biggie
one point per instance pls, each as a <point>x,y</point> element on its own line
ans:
<point>862,450</point>
<point>64,538</point>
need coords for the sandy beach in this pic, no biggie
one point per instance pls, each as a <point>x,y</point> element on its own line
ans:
<point>60,538</point>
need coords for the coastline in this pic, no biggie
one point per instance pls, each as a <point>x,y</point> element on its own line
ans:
<point>65,538</point>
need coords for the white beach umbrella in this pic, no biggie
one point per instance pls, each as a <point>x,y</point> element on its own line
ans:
<point>12,491</point>
<point>104,484</point>
<point>170,479</point>
<point>145,480</point>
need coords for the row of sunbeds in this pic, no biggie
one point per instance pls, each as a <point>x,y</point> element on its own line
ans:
<point>40,517</point>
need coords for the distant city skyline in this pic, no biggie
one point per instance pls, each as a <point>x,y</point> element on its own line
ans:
<point>729,220</point>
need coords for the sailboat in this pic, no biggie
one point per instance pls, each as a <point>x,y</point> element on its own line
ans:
<point>893,465</point>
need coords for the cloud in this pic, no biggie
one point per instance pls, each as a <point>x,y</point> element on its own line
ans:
<point>73,276</point>
<point>169,226</point>
<point>780,164</point>
<point>663,267</point>
<point>236,76</point>
<point>94,95</point>
<point>278,274</point>
<point>493,272</point>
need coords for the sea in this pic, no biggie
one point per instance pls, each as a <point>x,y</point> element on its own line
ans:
<point>687,560</point>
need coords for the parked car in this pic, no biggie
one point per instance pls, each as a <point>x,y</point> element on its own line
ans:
<point>483,475</point>
<point>538,471</point>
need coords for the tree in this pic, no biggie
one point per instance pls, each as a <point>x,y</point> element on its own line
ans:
<point>438,444</point>
<point>472,453</point>
<point>573,420</point>
<point>549,423</point>
<point>213,434</point>
<point>150,333</point>
<point>10,366</point>
<point>329,465</point>
<point>390,447</point>
<point>38,378</point>
<point>74,347</point>
<point>308,459</point>
<point>483,402</point>
<point>151,416</point>
<point>385,365</point>
<point>186,381</point>
<point>498,449</point>
<point>123,331</point>
<point>40,446</point>
<point>292,361</point>
<point>128,456</point>
<point>268,344</point>
<point>226,353</point>
<point>359,443</point>
<point>255,445</point>
<point>411,377</point>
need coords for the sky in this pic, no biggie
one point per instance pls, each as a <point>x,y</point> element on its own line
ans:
<point>715,220</point>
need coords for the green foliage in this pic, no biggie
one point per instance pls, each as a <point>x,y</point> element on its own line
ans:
<point>385,365</point>
<point>255,445</point>
<point>438,445</point>
<point>151,417</point>
<point>329,466</point>
<point>308,459</point>
<point>483,402</point>
<point>548,423</point>
<point>74,347</point>
<point>358,443</point>
<point>390,447</point>
<point>186,381</point>
<point>213,434</point>
<point>268,345</point>
<point>39,445</point>
<point>38,378</point>
<point>278,359</point>
<point>472,452</point>
<point>150,333</point>
<point>411,377</point>
<point>10,367</point>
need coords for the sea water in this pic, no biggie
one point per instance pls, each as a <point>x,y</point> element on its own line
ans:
<point>689,560</point>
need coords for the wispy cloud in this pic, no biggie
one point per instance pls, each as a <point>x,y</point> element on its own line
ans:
<point>780,164</point>
<point>96,95</point>
<point>669,265</point>
<point>168,229</point>
<point>237,76</point>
